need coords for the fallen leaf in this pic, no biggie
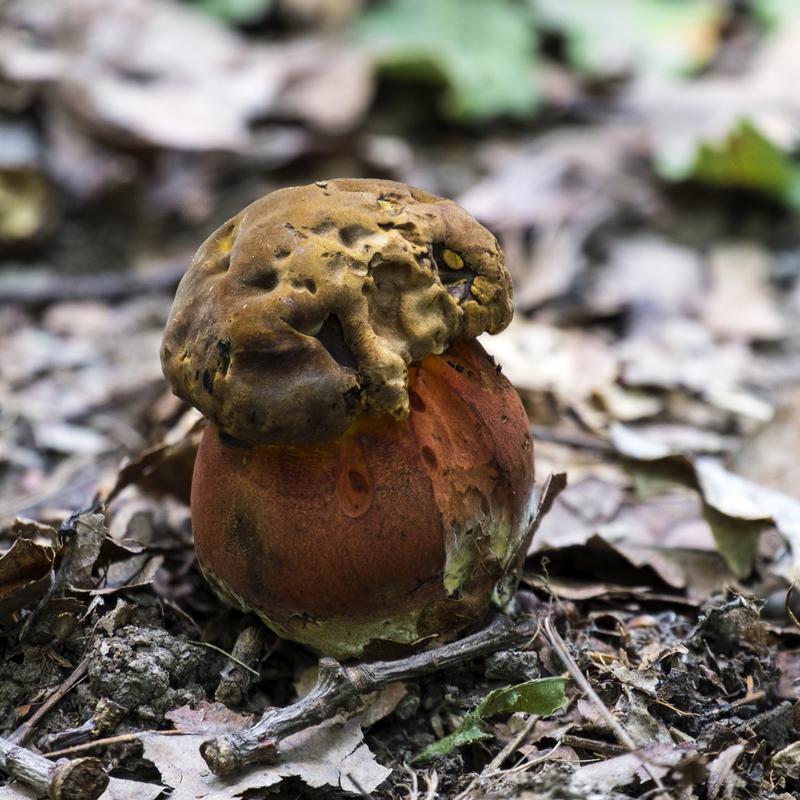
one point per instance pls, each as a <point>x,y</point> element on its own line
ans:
<point>769,456</point>
<point>604,776</point>
<point>737,509</point>
<point>720,772</point>
<point>485,55</point>
<point>81,551</point>
<point>25,575</point>
<point>642,35</point>
<point>740,304</point>
<point>118,789</point>
<point>331,754</point>
<point>210,719</point>
<point>571,364</point>
<point>650,277</point>
<point>746,159</point>
<point>542,696</point>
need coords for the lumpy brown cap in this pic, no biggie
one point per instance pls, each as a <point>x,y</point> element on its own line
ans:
<point>303,311</point>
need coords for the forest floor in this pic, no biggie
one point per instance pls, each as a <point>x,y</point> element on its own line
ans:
<point>646,199</point>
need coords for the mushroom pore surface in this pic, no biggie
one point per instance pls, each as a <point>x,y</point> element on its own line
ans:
<point>302,313</point>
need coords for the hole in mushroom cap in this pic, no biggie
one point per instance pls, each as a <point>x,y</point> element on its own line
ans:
<point>265,278</point>
<point>454,273</point>
<point>309,284</point>
<point>331,337</point>
<point>350,234</point>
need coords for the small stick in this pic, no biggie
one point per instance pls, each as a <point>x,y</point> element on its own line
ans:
<point>82,779</point>
<point>340,688</point>
<point>24,732</point>
<point>595,745</point>
<point>120,738</point>
<point>498,760</point>
<point>236,677</point>
<point>624,738</point>
<point>107,715</point>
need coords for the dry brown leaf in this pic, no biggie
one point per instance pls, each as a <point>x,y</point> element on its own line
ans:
<point>769,456</point>
<point>623,770</point>
<point>740,304</point>
<point>211,719</point>
<point>25,574</point>
<point>331,754</point>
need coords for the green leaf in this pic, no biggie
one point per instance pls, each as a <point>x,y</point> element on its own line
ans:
<point>744,159</point>
<point>666,36</point>
<point>736,539</point>
<point>774,14</point>
<point>234,12</point>
<point>543,697</point>
<point>483,53</point>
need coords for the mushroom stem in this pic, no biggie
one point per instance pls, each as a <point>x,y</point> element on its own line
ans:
<point>341,688</point>
<point>81,779</point>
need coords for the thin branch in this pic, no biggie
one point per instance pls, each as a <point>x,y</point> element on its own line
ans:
<point>342,689</point>
<point>82,779</point>
<point>120,738</point>
<point>107,715</point>
<point>624,738</point>
<point>500,758</point>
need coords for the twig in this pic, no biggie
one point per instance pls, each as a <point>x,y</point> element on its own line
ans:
<point>121,738</point>
<point>340,689</point>
<point>227,655</point>
<point>577,439</point>
<point>624,738</point>
<point>235,679</point>
<point>594,745</point>
<point>24,732</point>
<point>107,715</point>
<point>43,289</point>
<point>82,779</point>
<point>498,760</point>
<point>557,643</point>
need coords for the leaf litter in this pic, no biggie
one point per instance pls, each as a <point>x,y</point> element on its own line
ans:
<point>644,196</point>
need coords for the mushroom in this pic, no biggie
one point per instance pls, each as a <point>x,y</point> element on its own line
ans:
<point>365,484</point>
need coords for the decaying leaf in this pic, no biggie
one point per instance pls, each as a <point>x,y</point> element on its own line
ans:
<point>736,509</point>
<point>332,754</point>
<point>624,770</point>
<point>211,719</point>
<point>25,575</point>
<point>769,456</point>
<point>118,789</point>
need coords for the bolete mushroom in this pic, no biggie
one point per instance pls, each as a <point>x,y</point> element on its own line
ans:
<point>365,483</point>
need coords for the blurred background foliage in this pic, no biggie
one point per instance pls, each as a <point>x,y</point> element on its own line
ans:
<point>171,114</point>
<point>636,159</point>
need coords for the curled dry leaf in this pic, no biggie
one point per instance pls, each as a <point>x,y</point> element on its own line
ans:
<point>25,575</point>
<point>737,509</point>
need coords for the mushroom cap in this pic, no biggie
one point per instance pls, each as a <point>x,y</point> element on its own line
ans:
<point>302,313</point>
